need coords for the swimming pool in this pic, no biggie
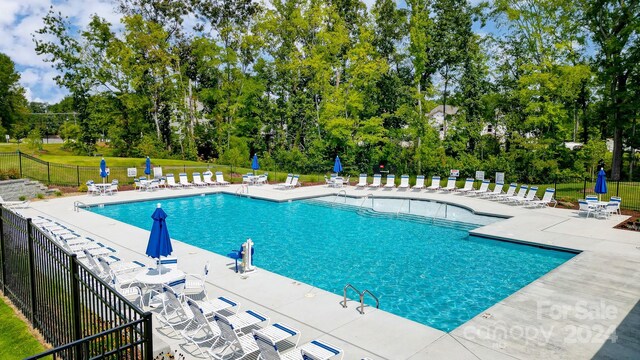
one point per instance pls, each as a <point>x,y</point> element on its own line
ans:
<point>437,276</point>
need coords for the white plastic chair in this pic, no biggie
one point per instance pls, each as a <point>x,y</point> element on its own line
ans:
<point>171,182</point>
<point>391,182</point>
<point>484,187</point>
<point>451,184</point>
<point>377,179</point>
<point>419,183</point>
<point>197,180</point>
<point>207,178</point>
<point>468,185</point>
<point>585,207</point>
<point>196,282</point>
<point>220,178</point>
<point>362,181</point>
<point>435,183</point>
<point>404,182</point>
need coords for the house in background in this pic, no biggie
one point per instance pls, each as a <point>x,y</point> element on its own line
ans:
<point>436,118</point>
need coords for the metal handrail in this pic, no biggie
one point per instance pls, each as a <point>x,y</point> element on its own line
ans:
<point>362,300</point>
<point>346,287</point>
<point>240,190</point>
<point>365,199</point>
<point>338,195</point>
<point>76,205</point>
<point>402,204</point>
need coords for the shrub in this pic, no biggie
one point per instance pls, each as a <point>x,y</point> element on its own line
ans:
<point>40,196</point>
<point>9,174</point>
<point>83,188</point>
<point>22,198</point>
<point>58,193</point>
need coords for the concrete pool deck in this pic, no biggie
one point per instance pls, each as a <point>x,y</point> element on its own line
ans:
<point>567,314</point>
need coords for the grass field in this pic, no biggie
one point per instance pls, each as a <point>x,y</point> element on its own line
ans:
<point>16,341</point>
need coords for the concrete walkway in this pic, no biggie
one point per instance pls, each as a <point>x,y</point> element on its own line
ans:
<point>569,313</point>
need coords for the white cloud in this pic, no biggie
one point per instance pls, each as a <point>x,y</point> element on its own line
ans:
<point>20,19</point>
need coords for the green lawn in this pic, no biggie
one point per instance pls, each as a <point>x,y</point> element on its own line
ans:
<point>16,342</point>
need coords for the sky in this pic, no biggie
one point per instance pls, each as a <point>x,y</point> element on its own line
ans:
<point>20,19</point>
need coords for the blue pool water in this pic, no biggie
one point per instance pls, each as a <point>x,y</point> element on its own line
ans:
<point>438,276</point>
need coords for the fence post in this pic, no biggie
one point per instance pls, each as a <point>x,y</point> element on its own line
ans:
<point>618,188</point>
<point>584,189</point>
<point>78,174</point>
<point>32,271</point>
<point>4,277</point>
<point>20,162</point>
<point>48,172</point>
<point>75,299</point>
<point>148,333</point>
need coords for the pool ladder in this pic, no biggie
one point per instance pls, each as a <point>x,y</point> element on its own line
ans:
<point>361,295</point>
<point>344,192</point>
<point>78,204</point>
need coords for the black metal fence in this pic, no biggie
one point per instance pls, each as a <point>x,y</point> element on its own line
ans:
<point>579,188</point>
<point>77,312</point>
<point>24,165</point>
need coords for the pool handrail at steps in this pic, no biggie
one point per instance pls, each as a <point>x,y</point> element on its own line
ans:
<point>338,195</point>
<point>361,295</point>
<point>369,195</point>
<point>401,205</point>
<point>78,204</point>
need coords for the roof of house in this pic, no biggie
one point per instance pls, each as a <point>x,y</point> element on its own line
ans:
<point>450,110</point>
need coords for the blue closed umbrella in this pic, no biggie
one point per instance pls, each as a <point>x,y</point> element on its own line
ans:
<point>337,166</point>
<point>601,184</point>
<point>254,164</point>
<point>159,240</point>
<point>103,169</point>
<point>147,169</point>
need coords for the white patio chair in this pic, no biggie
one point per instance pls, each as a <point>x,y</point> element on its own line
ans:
<point>207,178</point>
<point>362,181</point>
<point>236,345</point>
<point>184,181</point>
<point>286,182</point>
<point>531,196</point>
<point>435,183</point>
<point>451,184</point>
<point>391,182</point>
<point>546,200</point>
<point>497,190</point>
<point>377,179</point>
<point>468,186</point>
<point>585,207</point>
<point>200,331</point>
<point>510,191</point>
<point>196,282</point>
<point>519,196</point>
<point>484,187</point>
<point>220,179</point>
<point>171,182</point>
<point>197,180</point>
<point>419,183</point>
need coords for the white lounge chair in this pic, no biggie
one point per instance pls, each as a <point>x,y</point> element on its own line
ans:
<point>207,178</point>
<point>197,180</point>
<point>184,181</point>
<point>531,196</point>
<point>404,182</point>
<point>362,181</point>
<point>318,349</point>
<point>435,183</point>
<point>468,185</point>
<point>246,180</point>
<point>120,267</point>
<point>391,182</point>
<point>497,190</point>
<point>237,344</point>
<point>377,178</point>
<point>200,332</point>
<point>484,187</point>
<point>220,178</point>
<point>286,182</point>
<point>592,198</point>
<point>451,184</point>
<point>547,199</point>
<point>293,183</point>
<point>174,313</point>
<point>522,192</point>
<point>92,189</point>
<point>510,191</point>
<point>419,183</point>
<point>269,350</point>
<point>171,182</point>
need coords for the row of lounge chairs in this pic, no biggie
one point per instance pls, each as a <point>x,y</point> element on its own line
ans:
<point>205,180</point>
<point>525,196</point>
<point>290,183</point>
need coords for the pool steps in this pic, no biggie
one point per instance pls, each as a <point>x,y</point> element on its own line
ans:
<point>368,212</point>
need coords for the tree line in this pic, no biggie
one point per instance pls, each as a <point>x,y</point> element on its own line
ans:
<point>301,81</point>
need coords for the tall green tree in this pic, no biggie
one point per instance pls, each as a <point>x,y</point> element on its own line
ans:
<point>13,104</point>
